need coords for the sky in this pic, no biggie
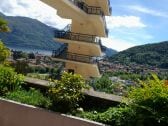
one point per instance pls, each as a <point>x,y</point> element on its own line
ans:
<point>133,22</point>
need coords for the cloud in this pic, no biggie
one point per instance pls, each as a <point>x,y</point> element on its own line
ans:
<point>33,9</point>
<point>116,44</point>
<point>148,11</point>
<point>124,21</point>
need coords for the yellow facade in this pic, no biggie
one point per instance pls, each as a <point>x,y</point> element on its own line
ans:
<point>88,24</point>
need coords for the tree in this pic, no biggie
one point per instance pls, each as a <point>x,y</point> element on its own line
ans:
<point>4,26</point>
<point>102,84</point>
<point>68,91</point>
<point>150,102</point>
<point>4,52</point>
<point>146,105</point>
<point>9,80</point>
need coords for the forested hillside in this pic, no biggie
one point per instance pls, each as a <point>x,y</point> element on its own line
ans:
<point>29,33</point>
<point>149,54</point>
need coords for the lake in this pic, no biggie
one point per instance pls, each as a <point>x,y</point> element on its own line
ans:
<point>29,50</point>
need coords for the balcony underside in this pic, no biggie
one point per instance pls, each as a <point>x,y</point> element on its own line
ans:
<point>67,10</point>
<point>104,4</point>
<point>73,61</point>
<point>87,71</point>
<point>84,69</point>
<point>82,47</point>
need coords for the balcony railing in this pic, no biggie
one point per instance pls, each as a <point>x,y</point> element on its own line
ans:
<point>110,8</point>
<point>77,37</point>
<point>60,50</point>
<point>74,57</point>
<point>62,53</point>
<point>88,9</point>
<point>91,10</point>
<point>67,28</point>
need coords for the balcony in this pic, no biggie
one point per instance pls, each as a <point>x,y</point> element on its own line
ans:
<point>62,53</point>
<point>85,38</point>
<point>74,57</point>
<point>92,10</point>
<point>77,37</point>
<point>88,9</point>
<point>110,8</point>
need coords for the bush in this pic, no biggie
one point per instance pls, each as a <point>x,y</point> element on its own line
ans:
<point>31,97</point>
<point>4,52</point>
<point>39,76</point>
<point>115,116</point>
<point>9,80</point>
<point>146,105</point>
<point>103,84</point>
<point>150,102</point>
<point>68,91</point>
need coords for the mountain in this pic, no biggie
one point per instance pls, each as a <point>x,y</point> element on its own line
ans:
<point>31,34</point>
<point>110,52</point>
<point>149,54</point>
<point>28,33</point>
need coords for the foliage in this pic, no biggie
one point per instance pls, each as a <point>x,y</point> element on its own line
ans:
<point>21,67</point>
<point>39,76</point>
<point>9,80</point>
<point>114,116</point>
<point>145,105</point>
<point>4,52</point>
<point>150,102</point>
<point>3,25</point>
<point>67,91</point>
<point>150,54</point>
<point>31,97</point>
<point>102,84</point>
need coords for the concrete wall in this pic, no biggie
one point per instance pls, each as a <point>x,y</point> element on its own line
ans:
<point>86,70</point>
<point>15,114</point>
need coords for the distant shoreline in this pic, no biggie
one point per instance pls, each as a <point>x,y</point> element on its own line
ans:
<point>30,50</point>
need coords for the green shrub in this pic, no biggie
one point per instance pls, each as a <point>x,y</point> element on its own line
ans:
<point>146,105</point>
<point>31,97</point>
<point>68,91</point>
<point>115,116</point>
<point>39,76</point>
<point>103,84</point>
<point>9,80</point>
<point>4,52</point>
<point>4,25</point>
<point>150,102</point>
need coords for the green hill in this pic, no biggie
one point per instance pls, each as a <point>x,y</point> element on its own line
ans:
<point>29,33</point>
<point>149,54</point>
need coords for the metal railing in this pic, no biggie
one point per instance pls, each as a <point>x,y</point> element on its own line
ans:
<point>77,37</point>
<point>67,28</point>
<point>88,9</point>
<point>91,10</point>
<point>110,8</point>
<point>74,57</point>
<point>60,50</point>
